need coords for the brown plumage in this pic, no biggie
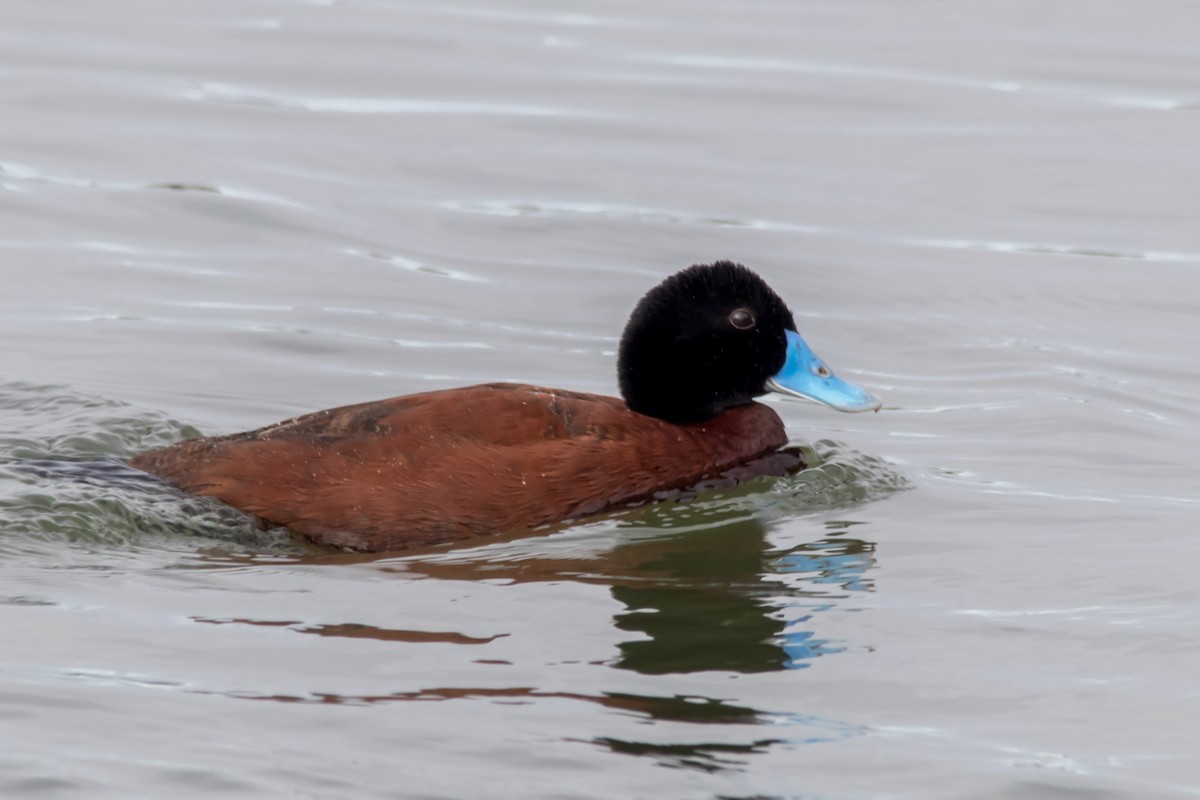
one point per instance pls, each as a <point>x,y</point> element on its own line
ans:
<point>455,464</point>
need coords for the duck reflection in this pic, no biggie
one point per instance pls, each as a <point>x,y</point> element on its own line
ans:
<point>702,588</point>
<point>721,599</point>
<point>713,596</point>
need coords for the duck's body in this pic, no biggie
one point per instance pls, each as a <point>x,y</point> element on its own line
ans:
<point>449,465</point>
<point>459,463</point>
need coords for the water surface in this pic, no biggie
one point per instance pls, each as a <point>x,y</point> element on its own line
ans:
<point>217,215</point>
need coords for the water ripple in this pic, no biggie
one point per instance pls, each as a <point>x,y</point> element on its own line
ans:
<point>241,95</point>
<point>38,175</point>
<point>512,208</point>
<point>824,68</point>
<point>412,265</point>
<point>780,65</point>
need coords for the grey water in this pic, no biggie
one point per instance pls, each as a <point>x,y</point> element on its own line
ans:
<point>217,214</point>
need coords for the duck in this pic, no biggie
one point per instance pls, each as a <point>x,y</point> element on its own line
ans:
<point>455,464</point>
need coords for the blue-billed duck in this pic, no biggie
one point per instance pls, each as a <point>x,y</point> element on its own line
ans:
<point>479,460</point>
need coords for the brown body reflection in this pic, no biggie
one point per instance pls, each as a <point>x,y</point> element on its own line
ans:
<point>355,630</point>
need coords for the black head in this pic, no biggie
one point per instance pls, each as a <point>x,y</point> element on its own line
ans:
<point>704,340</point>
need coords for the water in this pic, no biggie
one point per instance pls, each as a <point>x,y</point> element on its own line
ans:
<point>215,215</point>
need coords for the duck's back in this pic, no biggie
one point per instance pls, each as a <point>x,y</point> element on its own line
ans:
<point>458,463</point>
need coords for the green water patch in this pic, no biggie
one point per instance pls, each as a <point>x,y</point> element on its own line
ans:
<point>836,477</point>
<point>63,477</point>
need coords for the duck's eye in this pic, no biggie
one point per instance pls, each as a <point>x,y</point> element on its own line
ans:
<point>823,371</point>
<point>742,319</point>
